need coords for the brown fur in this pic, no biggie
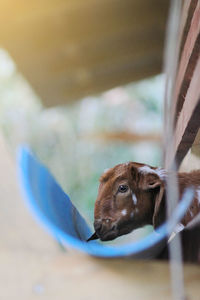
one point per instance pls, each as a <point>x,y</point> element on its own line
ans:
<point>118,213</point>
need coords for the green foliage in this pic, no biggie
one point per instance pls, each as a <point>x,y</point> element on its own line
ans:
<point>67,139</point>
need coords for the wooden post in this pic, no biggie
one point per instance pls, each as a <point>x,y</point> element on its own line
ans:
<point>185,107</point>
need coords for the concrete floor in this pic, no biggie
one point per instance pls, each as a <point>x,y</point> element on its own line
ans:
<point>33,266</point>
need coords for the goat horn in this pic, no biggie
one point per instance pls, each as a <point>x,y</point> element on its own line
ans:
<point>93,237</point>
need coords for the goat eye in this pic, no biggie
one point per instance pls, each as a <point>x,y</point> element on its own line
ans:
<point>123,188</point>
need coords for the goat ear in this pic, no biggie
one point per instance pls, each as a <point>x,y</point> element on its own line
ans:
<point>159,209</point>
<point>133,172</point>
<point>152,182</point>
<point>149,181</point>
<point>144,179</point>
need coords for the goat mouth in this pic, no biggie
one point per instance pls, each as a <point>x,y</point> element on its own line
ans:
<point>108,236</point>
<point>111,234</point>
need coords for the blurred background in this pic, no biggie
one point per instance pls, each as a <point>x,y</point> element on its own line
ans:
<point>81,84</point>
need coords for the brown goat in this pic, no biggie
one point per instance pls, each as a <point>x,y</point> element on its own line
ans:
<point>132,195</point>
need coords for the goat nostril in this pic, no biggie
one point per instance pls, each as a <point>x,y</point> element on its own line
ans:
<point>113,227</point>
<point>97,226</point>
